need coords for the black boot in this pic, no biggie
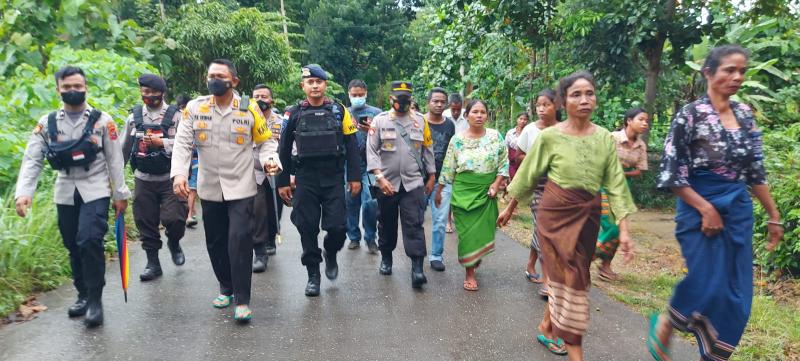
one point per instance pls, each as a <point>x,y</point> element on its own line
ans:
<point>94,312</point>
<point>386,264</point>
<point>312,287</point>
<point>331,267</point>
<point>153,268</point>
<point>260,263</point>
<point>178,258</point>
<point>78,308</point>
<point>417,275</point>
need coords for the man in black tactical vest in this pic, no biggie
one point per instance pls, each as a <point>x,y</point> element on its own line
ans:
<point>149,135</point>
<point>318,137</point>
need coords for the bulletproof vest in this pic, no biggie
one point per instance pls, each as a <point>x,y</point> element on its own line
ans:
<point>79,152</point>
<point>318,134</point>
<point>142,158</point>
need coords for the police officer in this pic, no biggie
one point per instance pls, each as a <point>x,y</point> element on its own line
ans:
<point>318,137</point>
<point>83,144</point>
<point>224,127</point>
<point>149,135</point>
<point>400,155</point>
<point>265,207</point>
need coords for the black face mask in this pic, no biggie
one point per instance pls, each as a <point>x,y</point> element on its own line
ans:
<point>402,104</point>
<point>152,101</point>
<point>264,105</point>
<point>218,87</point>
<point>73,97</point>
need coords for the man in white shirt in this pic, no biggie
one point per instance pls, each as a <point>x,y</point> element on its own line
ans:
<point>455,103</point>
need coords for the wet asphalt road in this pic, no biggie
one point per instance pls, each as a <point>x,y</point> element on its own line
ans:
<point>360,316</point>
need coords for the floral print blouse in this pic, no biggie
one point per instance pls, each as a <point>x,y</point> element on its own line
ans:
<point>487,154</point>
<point>698,141</point>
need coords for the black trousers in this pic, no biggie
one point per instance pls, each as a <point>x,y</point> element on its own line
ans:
<point>229,239</point>
<point>83,227</point>
<point>410,207</point>
<point>265,226</point>
<point>315,205</point>
<point>154,203</point>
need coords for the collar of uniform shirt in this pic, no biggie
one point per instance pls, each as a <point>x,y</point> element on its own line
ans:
<point>234,102</point>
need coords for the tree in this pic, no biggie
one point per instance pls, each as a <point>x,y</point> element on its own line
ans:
<point>250,38</point>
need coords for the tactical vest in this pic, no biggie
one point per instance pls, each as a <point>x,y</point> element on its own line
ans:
<point>145,160</point>
<point>318,134</point>
<point>79,152</point>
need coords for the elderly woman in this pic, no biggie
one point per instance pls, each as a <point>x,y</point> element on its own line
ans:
<point>579,158</point>
<point>712,155</point>
<point>477,165</point>
<point>632,153</point>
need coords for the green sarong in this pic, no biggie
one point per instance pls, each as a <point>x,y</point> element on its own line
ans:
<point>475,216</point>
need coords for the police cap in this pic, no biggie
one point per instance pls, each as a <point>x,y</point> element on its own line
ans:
<point>154,82</point>
<point>314,71</point>
<point>400,87</point>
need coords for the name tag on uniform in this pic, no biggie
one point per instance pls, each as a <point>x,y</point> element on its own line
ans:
<point>78,155</point>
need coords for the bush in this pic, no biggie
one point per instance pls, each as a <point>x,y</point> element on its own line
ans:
<point>782,160</point>
<point>644,191</point>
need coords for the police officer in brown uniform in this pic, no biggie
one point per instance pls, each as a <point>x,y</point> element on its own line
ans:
<point>149,135</point>
<point>82,143</point>
<point>224,128</point>
<point>266,206</point>
<point>400,155</point>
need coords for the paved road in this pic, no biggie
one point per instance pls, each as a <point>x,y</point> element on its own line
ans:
<point>360,316</point>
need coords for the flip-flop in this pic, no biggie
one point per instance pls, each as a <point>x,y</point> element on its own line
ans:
<point>556,347</point>
<point>653,341</point>
<point>470,287</point>
<point>533,278</point>
<point>242,313</point>
<point>448,229</point>
<point>222,301</point>
<point>607,276</point>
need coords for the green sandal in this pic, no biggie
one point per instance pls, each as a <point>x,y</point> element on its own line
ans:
<point>653,341</point>
<point>242,313</point>
<point>222,301</point>
<point>556,347</point>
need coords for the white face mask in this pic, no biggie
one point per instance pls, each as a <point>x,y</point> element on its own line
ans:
<point>358,102</point>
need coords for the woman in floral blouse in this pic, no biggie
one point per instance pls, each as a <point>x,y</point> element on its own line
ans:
<point>477,165</point>
<point>712,155</point>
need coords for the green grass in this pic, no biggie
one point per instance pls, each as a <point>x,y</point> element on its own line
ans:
<point>773,332</point>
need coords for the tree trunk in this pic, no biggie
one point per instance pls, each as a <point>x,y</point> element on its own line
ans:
<point>654,55</point>
<point>285,29</point>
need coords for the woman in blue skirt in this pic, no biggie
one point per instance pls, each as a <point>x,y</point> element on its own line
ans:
<point>712,156</point>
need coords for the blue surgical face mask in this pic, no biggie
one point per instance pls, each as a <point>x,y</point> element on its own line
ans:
<point>358,102</point>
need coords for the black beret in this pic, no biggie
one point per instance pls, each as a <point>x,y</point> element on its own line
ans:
<point>153,81</point>
<point>314,71</point>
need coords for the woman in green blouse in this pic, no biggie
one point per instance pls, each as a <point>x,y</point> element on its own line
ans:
<point>578,157</point>
<point>476,163</point>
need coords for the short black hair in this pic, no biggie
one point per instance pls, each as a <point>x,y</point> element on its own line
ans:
<point>436,90</point>
<point>716,55</point>
<point>182,100</point>
<point>455,98</point>
<point>567,82</point>
<point>229,64</point>
<point>473,103</point>
<point>69,70</point>
<point>630,114</point>
<point>356,83</point>
<point>262,86</point>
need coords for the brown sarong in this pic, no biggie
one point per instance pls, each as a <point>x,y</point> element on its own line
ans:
<point>568,221</point>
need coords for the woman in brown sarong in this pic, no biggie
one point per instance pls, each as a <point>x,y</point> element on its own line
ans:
<point>578,157</point>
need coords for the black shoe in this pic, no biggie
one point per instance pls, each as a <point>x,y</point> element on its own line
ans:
<point>260,264</point>
<point>271,250</point>
<point>372,247</point>
<point>312,287</point>
<point>437,265</point>
<point>153,268</point>
<point>417,275</point>
<point>386,265</point>
<point>331,267</point>
<point>354,245</point>
<point>178,258</point>
<point>78,308</point>
<point>94,314</point>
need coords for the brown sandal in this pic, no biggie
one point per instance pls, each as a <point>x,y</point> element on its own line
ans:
<point>470,286</point>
